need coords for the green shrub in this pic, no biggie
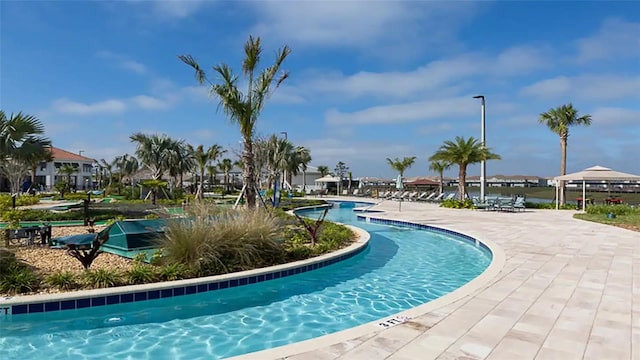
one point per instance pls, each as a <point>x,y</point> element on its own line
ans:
<point>334,236</point>
<point>18,278</point>
<point>64,280</point>
<point>457,204</point>
<point>6,201</point>
<point>140,274</point>
<point>101,278</point>
<point>620,209</point>
<point>7,259</point>
<point>214,241</point>
<point>548,206</point>
<point>172,272</point>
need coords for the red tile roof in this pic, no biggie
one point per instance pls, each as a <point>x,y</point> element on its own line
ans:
<point>59,154</point>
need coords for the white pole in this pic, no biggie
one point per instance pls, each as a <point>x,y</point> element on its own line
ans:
<point>584,196</point>
<point>483,163</point>
<point>557,202</point>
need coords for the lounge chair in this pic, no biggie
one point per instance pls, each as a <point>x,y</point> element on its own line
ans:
<point>426,196</point>
<point>519,204</point>
<point>486,205</point>
<point>438,198</point>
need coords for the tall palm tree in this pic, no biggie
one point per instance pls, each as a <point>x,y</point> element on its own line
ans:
<point>323,170</point>
<point>440,167</point>
<point>463,152</point>
<point>245,108</point>
<point>303,157</point>
<point>67,170</point>
<point>20,141</point>
<point>202,158</point>
<point>559,120</point>
<point>107,171</point>
<point>155,153</point>
<point>225,166</point>
<point>401,165</point>
<point>212,171</point>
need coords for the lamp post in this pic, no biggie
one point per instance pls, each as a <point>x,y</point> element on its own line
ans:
<point>284,172</point>
<point>483,163</point>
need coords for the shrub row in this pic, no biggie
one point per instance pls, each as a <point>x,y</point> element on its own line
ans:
<point>620,209</point>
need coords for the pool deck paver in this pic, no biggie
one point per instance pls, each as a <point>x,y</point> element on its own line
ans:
<point>569,289</point>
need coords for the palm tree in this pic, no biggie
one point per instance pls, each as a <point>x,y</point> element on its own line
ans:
<point>323,170</point>
<point>67,170</point>
<point>107,169</point>
<point>20,141</point>
<point>440,167</point>
<point>225,166</point>
<point>401,165</point>
<point>213,173</point>
<point>154,152</point>
<point>245,108</point>
<point>202,157</point>
<point>463,152</point>
<point>303,159</point>
<point>42,155</point>
<point>559,120</point>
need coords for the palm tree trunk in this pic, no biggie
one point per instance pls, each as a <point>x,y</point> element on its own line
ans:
<point>304,181</point>
<point>441,188</point>
<point>563,167</point>
<point>199,192</point>
<point>248,173</point>
<point>462,181</point>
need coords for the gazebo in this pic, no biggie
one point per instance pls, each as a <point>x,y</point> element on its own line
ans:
<point>328,179</point>
<point>594,173</point>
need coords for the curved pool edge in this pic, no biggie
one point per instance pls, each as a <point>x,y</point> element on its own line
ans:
<point>479,282</point>
<point>39,301</point>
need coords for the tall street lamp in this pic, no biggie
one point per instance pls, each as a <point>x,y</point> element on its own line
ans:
<point>284,172</point>
<point>483,163</point>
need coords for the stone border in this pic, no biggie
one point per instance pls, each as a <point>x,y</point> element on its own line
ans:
<point>11,306</point>
<point>497,263</point>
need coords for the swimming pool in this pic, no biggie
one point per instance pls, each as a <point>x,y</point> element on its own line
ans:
<point>402,268</point>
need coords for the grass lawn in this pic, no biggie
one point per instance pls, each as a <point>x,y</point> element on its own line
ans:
<point>631,221</point>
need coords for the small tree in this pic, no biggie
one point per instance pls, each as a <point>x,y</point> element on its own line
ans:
<point>312,229</point>
<point>154,186</point>
<point>86,254</point>
<point>341,170</point>
<point>323,170</point>
<point>62,187</point>
<point>440,167</point>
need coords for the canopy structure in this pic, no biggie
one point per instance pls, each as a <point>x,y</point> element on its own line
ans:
<point>130,235</point>
<point>330,179</point>
<point>594,173</point>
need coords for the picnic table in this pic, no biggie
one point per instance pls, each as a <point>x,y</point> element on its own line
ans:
<point>28,234</point>
<point>613,200</point>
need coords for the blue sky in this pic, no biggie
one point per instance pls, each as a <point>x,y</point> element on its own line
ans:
<point>369,80</point>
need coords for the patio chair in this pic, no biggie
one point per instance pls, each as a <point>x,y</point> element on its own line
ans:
<point>519,204</point>
<point>438,198</point>
<point>481,205</point>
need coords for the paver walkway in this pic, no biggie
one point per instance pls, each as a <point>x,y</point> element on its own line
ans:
<point>569,289</point>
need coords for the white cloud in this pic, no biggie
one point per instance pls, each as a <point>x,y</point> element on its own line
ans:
<point>437,109</point>
<point>615,39</point>
<point>589,87</point>
<point>113,106</point>
<point>440,76</point>
<point>149,103</point>
<point>615,116</point>
<point>123,62</point>
<point>404,113</point>
<point>172,9</point>
<point>363,24</point>
<point>66,106</point>
<point>134,66</point>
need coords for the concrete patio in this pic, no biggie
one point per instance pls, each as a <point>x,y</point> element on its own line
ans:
<point>564,289</point>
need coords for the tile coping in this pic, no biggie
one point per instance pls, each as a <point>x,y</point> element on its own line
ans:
<point>481,281</point>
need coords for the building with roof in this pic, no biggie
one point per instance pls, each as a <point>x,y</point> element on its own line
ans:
<point>48,174</point>
<point>504,181</point>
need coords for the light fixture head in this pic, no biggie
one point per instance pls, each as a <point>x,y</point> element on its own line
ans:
<point>479,97</point>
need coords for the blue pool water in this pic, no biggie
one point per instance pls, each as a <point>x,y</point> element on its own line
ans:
<point>402,268</point>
